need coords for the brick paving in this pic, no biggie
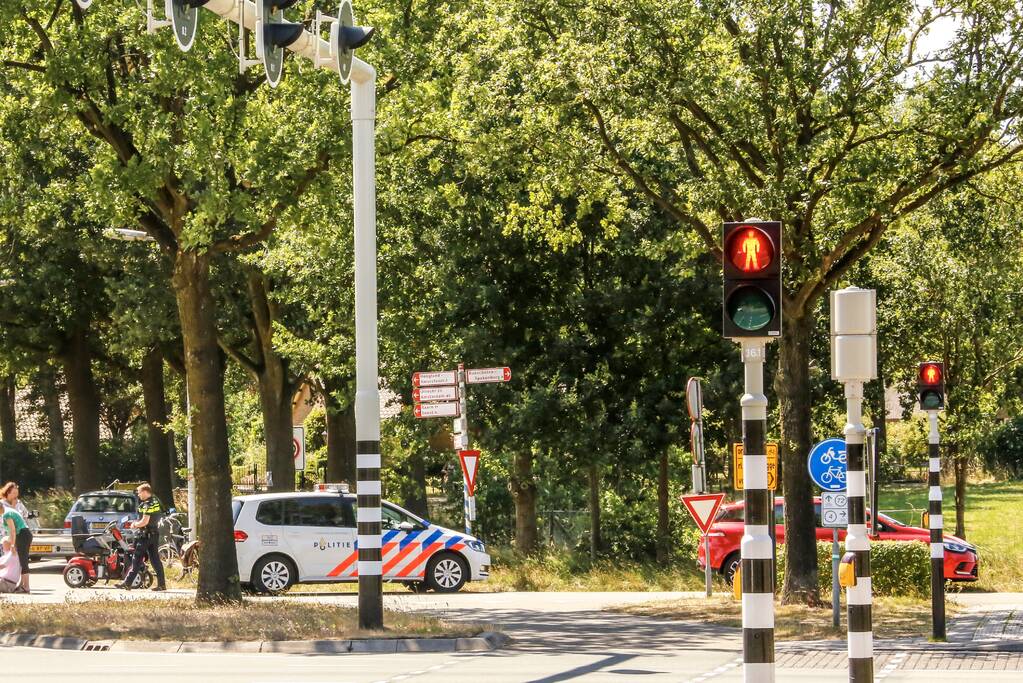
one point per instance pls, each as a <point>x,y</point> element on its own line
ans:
<point>936,660</point>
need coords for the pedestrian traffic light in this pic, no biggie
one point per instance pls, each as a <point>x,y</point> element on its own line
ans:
<point>751,305</point>
<point>930,385</point>
<point>273,34</point>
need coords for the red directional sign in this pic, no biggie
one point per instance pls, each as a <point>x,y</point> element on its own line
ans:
<point>437,409</point>
<point>703,507</point>
<point>435,379</point>
<point>470,466</point>
<point>487,375</point>
<point>427,394</point>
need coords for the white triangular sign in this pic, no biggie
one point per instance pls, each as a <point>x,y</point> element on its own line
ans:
<point>470,465</point>
<point>703,507</point>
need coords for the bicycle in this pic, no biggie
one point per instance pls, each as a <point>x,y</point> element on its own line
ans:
<point>176,551</point>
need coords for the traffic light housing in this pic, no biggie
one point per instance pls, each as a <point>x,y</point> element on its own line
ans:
<point>273,34</point>
<point>751,303</point>
<point>930,385</point>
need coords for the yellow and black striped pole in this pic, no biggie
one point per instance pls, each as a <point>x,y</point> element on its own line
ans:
<point>757,544</point>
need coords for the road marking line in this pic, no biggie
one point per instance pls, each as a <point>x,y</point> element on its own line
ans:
<point>714,673</point>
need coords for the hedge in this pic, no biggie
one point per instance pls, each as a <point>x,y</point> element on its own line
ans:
<point>896,567</point>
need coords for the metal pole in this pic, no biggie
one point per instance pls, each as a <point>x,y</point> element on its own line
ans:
<point>707,579</point>
<point>190,467</point>
<point>859,597</point>
<point>936,524</point>
<point>875,478</point>
<point>463,419</point>
<point>756,549</point>
<point>836,589</point>
<point>367,395</point>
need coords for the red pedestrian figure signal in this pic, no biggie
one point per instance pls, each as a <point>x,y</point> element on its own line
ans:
<point>750,249</point>
<point>930,373</point>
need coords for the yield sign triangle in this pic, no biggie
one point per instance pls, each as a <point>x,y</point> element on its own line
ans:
<point>470,465</point>
<point>703,507</point>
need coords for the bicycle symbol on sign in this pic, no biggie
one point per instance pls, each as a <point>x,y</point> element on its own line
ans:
<point>834,473</point>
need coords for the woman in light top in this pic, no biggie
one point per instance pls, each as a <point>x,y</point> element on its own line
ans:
<point>18,537</point>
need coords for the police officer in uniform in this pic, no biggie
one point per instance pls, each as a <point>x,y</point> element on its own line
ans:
<point>148,541</point>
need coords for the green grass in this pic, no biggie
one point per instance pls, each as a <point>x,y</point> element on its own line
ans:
<point>992,511</point>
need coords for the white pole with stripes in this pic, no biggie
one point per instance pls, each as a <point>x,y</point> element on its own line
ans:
<point>757,549</point>
<point>936,524</point>
<point>367,394</point>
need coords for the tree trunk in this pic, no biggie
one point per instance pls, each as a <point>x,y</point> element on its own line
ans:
<point>47,385</point>
<point>663,529</point>
<point>960,464</point>
<point>596,543</point>
<point>340,435</point>
<point>275,400</point>
<point>792,385</point>
<point>523,489</point>
<point>276,390</point>
<point>158,444</point>
<point>218,573</point>
<point>8,421</point>
<point>83,399</point>
<point>415,501</point>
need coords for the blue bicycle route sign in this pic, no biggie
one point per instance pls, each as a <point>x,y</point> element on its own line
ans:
<point>827,464</point>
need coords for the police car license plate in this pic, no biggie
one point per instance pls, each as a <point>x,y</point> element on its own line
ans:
<point>40,548</point>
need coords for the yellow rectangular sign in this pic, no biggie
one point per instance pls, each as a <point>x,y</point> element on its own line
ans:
<point>772,466</point>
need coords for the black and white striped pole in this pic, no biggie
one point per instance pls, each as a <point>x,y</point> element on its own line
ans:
<point>854,362</point>
<point>757,545</point>
<point>931,393</point>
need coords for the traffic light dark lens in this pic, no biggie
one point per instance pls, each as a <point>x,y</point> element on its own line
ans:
<point>750,308</point>
<point>750,249</point>
<point>930,400</point>
<point>930,374</point>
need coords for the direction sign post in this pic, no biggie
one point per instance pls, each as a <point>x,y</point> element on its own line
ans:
<point>703,508</point>
<point>442,394</point>
<point>834,515</point>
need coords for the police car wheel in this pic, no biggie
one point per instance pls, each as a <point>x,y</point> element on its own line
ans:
<point>273,575</point>
<point>446,573</point>
<point>730,566</point>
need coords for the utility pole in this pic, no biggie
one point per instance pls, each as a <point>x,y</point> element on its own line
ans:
<point>853,362</point>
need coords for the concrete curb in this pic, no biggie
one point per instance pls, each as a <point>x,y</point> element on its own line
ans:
<point>484,642</point>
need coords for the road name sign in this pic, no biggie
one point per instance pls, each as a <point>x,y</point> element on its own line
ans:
<point>437,409</point>
<point>298,446</point>
<point>487,375</point>
<point>428,394</point>
<point>772,466</point>
<point>827,464</point>
<point>834,510</point>
<point>703,507</point>
<point>435,379</point>
<point>470,461</point>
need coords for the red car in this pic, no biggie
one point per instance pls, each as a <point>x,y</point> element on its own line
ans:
<point>726,536</point>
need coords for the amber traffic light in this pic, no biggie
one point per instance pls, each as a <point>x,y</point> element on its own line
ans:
<point>930,385</point>
<point>751,304</point>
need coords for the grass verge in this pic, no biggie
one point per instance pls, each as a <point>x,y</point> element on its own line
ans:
<point>892,617</point>
<point>182,620</point>
<point>563,572</point>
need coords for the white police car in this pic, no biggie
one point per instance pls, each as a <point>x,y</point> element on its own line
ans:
<point>288,538</point>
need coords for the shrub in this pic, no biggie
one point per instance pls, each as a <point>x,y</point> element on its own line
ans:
<point>52,506</point>
<point>897,568</point>
<point>1003,451</point>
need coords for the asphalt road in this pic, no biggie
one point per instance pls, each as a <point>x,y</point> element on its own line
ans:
<point>556,637</point>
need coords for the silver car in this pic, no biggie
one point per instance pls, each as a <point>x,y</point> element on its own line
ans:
<point>102,507</point>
